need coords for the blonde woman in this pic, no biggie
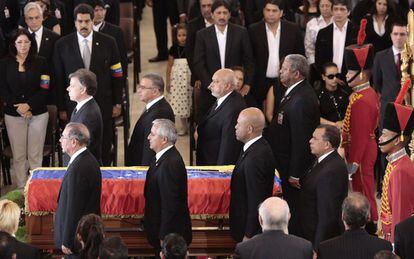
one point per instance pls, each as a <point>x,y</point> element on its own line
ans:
<point>9,223</point>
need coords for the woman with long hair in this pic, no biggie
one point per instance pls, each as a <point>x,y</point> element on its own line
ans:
<point>24,86</point>
<point>89,235</point>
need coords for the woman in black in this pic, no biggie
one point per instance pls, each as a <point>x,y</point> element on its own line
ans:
<point>333,99</point>
<point>379,24</point>
<point>24,85</point>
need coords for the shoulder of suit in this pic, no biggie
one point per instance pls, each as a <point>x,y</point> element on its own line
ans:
<point>67,38</point>
<point>50,33</point>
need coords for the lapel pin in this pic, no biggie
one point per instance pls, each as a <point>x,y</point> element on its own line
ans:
<point>97,43</point>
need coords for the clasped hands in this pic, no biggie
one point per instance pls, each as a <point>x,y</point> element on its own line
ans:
<point>24,110</point>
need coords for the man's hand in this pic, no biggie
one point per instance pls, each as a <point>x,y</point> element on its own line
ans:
<point>22,108</point>
<point>66,250</point>
<point>245,90</point>
<point>339,124</point>
<point>27,115</point>
<point>116,110</point>
<point>149,3</point>
<point>63,115</point>
<point>294,182</point>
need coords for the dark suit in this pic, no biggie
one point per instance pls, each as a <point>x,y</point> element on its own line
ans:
<point>139,152</point>
<point>8,24</point>
<point>192,28</point>
<point>90,115</point>
<point>104,55</point>
<point>251,183</point>
<point>404,238</point>
<point>324,46</point>
<point>207,59</point>
<point>24,250</point>
<point>355,244</point>
<point>322,192</point>
<point>116,33</point>
<point>291,42</point>
<point>274,244</point>
<point>166,206</point>
<point>113,11</point>
<point>217,143</point>
<point>79,195</point>
<point>288,134</point>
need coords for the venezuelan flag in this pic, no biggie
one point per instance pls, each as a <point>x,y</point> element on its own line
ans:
<point>116,70</point>
<point>44,81</point>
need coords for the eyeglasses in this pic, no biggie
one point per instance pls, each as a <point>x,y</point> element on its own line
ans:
<point>332,76</point>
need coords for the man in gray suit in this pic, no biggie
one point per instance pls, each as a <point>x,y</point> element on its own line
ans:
<point>386,75</point>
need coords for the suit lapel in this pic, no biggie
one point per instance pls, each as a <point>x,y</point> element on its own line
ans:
<point>77,51</point>
<point>229,44</point>
<point>284,36</point>
<point>291,94</point>
<point>214,43</point>
<point>43,41</point>
<point>262,35</point>
<point>211,113</point>
<point>391,61</point>
<point>95,50</point>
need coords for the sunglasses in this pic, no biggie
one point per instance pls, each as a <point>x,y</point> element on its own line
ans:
<point>332,76</point>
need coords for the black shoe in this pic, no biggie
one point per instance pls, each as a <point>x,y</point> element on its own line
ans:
<point>158,59</point>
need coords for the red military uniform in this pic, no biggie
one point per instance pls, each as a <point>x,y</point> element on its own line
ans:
<point>361,120</point>
<point>397,201</point>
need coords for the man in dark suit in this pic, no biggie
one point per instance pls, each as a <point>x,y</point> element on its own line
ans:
<point>332,40</point>
<point>404,238</point>
<point>3,49</point>
<point>274,242</point>
<point>161,11</point>
<point>323,188</point>
<point>252,178</point>
<point>386,77</point>
<point>355,243</point>
<point>150,91</point>
<point>223,45</point>
<point>45,39</point>
<point>9,16</point>
<point>272,39</point>
<point>80,191</point>
<point>216,142</point>
<point>165,191</point>
<point>195,25</point>
<point>97,52</point>
<point>81,89</point>
<point>291,129</point>
<point>99,24</point>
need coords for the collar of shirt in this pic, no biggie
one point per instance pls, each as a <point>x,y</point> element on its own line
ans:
<point>343,28</point>
<point>76,154</point>
<point>81,39</point>
<point>82,103</point>
<point>97,27</point>
<point>250,142</point>
<point>321,21</point>
<point>322,157</point>
<point>396,155</point>
<point>159,154</point>
<point>207,23</point>
<point>269,31</point>
<point>38,37</point>
<point>218,32</point>
<point>153,102</point>
<point>292,86</point>
<point>221,99</point>
<point>395,51</point>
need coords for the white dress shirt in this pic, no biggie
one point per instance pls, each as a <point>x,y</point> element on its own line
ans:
<point>396,52</point>
<point>148,105</point>
<point>38,37</point>
<point>81,42</point>
<point>207,23</point>
<point>339,38</point>
<point>222,40</point>
<point>291,87</point>
<point>221,99</point>
<point>250,142</point>
<point>82,103</point>
<point>76,154</point>
<point>312,29</point>
<point>159,154</point>
<point>273,62</point>
<point>380,30</point>
<point>324,156</point>
<point>97,27</point>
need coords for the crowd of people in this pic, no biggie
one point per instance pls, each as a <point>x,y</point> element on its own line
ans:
<point>310,89</point>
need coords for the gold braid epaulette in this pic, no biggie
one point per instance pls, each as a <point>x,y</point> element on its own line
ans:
<point>386,214</point>
<point>347,119</point>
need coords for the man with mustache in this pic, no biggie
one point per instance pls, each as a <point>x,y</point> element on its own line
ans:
<point>98,53</point>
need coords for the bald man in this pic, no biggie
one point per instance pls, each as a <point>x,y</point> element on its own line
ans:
<point>217,143</point>
<point>252,178</point>
<point>274,242</point>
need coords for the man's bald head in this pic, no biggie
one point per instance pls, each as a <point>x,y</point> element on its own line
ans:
<point>274,214</point>
<point>223,82</point>
<point>250,124</point>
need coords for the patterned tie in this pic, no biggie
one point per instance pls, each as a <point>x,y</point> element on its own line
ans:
<point>86,54</point>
